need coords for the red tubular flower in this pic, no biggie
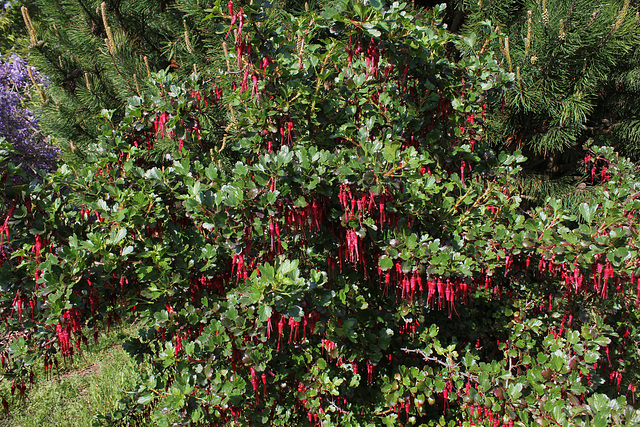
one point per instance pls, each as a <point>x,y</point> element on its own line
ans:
<point>240,23</point>
<point>178,344</point>
<point>293,326</point>
<point>264,383</point>
<point>4,229</point>
<point>280,328</point>
<point>234,18</point>
<point>254,382</point>
<point>254,85</point>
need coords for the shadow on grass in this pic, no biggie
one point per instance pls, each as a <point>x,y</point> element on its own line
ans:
<point>93,383</point>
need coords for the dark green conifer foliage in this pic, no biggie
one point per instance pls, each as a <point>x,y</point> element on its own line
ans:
<point>576,83</point>
<point>620,118</point>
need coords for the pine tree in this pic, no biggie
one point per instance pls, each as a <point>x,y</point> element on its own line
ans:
<point>620,116</point>
<point>576,81</point>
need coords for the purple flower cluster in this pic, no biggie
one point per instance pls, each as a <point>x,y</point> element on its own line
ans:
<point>19,125</point>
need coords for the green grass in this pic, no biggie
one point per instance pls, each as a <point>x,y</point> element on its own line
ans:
<point>92,384</point>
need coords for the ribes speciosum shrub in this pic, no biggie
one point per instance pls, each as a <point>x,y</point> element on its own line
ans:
<point>351,253</point>
<point>22,140</point>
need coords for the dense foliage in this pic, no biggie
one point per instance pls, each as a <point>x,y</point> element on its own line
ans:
<point>349,252</point>
<point>97,54</point>
<point>9,26</point>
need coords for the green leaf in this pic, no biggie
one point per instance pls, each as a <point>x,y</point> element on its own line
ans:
<point>232,313</point>
<point>471,40</point>
<point>587,211</point>
<point>602,340</point>
<point>241,169</point>
<point>390,151</point>
<point>591,357</point>
<point>358,8</point>
<point>271,197</point>
<point>322,364</point>
<point>264,313</point>
<point>515,391</point>
<point>329,13</point>
<point>120,235</point>
<point>145,398</point>
<point>287,266</point>
<point>601,419</point>
<point>412,241</point>
<point>385,263</point>
<point>371,30</point>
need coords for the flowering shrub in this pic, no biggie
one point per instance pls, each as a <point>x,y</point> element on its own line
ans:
<point>18,124</point>
<point>359,257</point>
